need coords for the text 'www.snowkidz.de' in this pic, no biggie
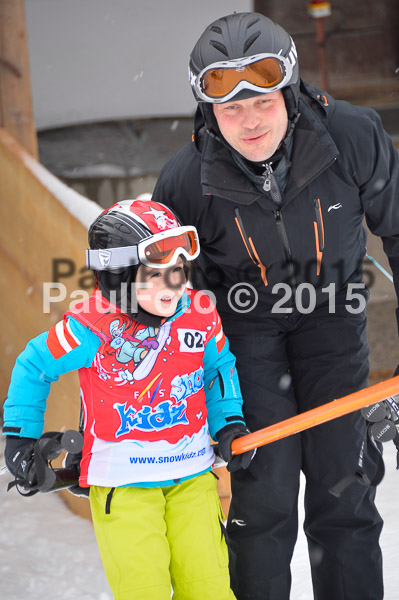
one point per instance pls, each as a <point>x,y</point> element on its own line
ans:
<point>165,459</point>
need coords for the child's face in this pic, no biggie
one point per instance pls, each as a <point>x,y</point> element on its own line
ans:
<point>159,290</point>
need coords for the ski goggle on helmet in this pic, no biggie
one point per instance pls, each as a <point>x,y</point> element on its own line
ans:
<point>159,251</point>
<point>262,73</point>
<point>135,232</point>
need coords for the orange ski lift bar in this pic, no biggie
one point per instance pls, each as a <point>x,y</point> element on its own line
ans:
<point>316,416</point>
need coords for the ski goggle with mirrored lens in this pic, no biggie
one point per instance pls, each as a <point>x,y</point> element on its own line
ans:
<point>262,73</point>
<point>159,251</point>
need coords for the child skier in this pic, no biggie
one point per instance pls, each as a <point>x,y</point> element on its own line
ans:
<point>157,378</point>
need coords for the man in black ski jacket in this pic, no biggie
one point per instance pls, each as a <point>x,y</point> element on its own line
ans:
<point>277,181</point>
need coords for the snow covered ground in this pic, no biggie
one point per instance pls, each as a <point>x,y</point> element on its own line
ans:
<point>48,552</point>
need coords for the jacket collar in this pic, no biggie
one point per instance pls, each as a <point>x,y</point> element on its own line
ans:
<point>313,151</point>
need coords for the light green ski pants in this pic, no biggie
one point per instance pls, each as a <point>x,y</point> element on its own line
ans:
<point>155,538</point>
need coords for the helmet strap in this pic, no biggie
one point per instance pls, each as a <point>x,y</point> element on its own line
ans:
<point>145,318</point>
<point>291,104</point>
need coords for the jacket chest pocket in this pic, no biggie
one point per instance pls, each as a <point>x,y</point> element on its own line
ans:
<point>250,246</point>
<point>318,234</point>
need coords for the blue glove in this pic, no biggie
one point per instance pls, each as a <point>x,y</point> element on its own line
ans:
<point>225,437</point>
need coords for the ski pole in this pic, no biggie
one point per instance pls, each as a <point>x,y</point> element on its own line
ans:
<point>316,416</point>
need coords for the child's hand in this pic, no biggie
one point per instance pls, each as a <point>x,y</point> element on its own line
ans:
<point>72,462</point>
<point>225,437</point>
<point>18,454</point>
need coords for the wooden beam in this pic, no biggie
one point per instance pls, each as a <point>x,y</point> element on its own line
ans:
<point>16,111</point>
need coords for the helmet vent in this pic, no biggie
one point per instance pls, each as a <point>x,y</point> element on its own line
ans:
<point>251,40</point>
<point>253,22</point>
<point>216,29</point>
<point>221,47</point>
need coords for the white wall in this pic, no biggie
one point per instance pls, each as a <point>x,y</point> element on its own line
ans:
<point>97,60</point>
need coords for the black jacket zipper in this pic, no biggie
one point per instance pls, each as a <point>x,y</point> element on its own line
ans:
<point>287,250</point>
<point>270,185</point>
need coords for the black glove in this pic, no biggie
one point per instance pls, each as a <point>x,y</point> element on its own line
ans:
<point>72,461</point>
<point>18,455</point>
<point>225,437</point>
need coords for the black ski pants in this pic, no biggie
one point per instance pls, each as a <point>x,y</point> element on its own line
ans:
<point>288,365</point>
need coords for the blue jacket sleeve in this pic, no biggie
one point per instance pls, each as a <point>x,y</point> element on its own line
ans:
<point>34,371</point>
<point>222,388</point>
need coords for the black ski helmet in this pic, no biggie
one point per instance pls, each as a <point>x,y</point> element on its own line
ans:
<point>243,35</point>
<point>125,225</point>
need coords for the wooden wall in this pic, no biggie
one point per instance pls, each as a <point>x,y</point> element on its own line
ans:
<point>35,229</point>
<point>362,46</point>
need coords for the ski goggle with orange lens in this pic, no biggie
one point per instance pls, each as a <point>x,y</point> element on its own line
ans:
<point>262,73</point>
<point>159,251</point>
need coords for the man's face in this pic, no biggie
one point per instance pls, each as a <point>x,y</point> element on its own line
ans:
<point>255,126</point>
